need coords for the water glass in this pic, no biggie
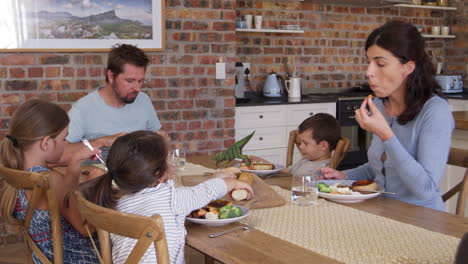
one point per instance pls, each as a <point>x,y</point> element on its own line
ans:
<point>304,190</point>
<point>178,159</point>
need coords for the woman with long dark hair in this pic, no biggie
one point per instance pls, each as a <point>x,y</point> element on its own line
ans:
<point>410,119</point>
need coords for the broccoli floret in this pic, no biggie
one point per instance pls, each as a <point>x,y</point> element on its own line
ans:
<point>229,211</point>
<point>323,187</point>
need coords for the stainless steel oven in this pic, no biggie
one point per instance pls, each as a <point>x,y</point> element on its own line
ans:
<point>359,138</point>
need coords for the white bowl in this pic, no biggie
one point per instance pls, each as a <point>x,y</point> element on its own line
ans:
<point>220,222</point>
<point>347,198</point>
<point>263,173</point>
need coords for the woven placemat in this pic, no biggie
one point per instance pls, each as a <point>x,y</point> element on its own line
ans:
<point>193,169</point>
<point>352,236</point>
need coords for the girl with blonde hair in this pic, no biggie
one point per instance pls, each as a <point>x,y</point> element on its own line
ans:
<point>36,137</point>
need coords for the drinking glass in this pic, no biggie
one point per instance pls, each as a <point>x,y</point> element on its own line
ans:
<point>178,159</point>
<point>304,190</point>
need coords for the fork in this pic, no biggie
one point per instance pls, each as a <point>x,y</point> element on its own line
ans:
<point>89,146</point>
<point>246,227</point>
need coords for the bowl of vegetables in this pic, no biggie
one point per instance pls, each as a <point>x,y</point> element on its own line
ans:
<point>218,213</point>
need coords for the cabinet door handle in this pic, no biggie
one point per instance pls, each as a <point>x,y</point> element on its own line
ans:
<point>311,113</point>
<point>260,116</point>
<point>260,138</point>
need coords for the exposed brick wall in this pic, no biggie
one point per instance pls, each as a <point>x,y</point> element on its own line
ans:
<point>331,51</point>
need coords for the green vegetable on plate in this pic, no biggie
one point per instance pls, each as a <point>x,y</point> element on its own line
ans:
<point>229,211</point>
<point>323,187</point>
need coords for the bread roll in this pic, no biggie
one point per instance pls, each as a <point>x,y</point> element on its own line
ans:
<point>246,177</point>
<point>262,166</point>
<point>364,185</point>
<point>240,195</point>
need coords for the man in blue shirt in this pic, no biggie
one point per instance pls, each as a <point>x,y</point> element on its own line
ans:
<point>115,109</point>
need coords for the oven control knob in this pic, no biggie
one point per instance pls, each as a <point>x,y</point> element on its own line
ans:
<point>355,107</point>
<point>348,108</point>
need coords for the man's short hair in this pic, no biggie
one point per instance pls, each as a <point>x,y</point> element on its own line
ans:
<point>122,54</point>
<point>324,127</point>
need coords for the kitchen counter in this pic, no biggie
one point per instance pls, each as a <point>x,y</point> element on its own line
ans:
<point>459,96</point>
<point>255,100</point>
<point>260,101</point>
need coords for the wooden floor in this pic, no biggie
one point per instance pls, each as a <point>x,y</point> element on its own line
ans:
<point>17,254</point>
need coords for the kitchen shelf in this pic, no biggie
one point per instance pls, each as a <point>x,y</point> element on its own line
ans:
<point>438,36</point>
<point>426,7</point>
<point>292,31</point>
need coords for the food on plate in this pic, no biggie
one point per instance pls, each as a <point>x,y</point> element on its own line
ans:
<point>336,188</point>
<point>212,216</point>
<point>239,195</point>
<point>217,209</point>
<point>229,211</point>
<point>258,165</point>
<point>323,187</point>
<point>364,185</point>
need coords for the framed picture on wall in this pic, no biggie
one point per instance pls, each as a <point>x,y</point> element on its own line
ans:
<point>80,25</point>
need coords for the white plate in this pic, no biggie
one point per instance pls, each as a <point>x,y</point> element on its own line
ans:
<point>263,173</point>
<point>220,222</point>
<point>346,198</point>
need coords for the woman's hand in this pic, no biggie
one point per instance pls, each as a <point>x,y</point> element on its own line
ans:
<point>375,122</point>
<point>329,173</point>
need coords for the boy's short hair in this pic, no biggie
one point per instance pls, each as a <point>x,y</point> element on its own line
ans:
<point>324,127</point>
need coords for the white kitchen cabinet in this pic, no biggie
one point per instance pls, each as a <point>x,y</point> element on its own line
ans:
<point>272,125</point>
<point>454,174</point>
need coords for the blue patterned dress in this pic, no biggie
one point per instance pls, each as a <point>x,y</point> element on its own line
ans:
<point>76,248</point>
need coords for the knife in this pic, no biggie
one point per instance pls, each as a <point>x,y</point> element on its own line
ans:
<point>89,146</point>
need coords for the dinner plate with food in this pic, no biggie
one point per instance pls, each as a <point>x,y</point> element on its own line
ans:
<point>262,169</point>
<point>348,191</point>
<point>218,213</point>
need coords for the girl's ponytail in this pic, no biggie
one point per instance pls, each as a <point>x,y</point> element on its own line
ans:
<point>99,191</point>
<point>10,157</point>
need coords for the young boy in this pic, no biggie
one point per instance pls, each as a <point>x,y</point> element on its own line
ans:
<point>318,135</point>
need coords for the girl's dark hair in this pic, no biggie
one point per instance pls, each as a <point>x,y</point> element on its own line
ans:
<point>122,54</point>
<point>405,43</point>
<point>32,121</point>
<point>135,162</point>
<point>324,128</point>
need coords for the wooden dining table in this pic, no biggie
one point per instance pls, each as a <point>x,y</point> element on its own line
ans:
<point>461,119</point>
<point>254,246</point>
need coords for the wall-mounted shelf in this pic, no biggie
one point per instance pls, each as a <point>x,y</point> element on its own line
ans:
<point>266,30</point>
<point>438,36</point>
<point>426,7</point>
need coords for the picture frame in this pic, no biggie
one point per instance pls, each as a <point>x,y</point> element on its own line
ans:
<point>81,26</point>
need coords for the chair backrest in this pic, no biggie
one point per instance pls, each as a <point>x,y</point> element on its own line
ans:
<point>337,156</point>
<point>38,183</point>
<point>459,157</point>
<point>147,230</point>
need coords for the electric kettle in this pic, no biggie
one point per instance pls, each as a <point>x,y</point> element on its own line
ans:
<point>273,85</point>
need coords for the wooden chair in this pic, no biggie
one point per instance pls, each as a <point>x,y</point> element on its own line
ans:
<point>147,230</point>
<point>38,183</point>
<point>337,156</point>
<point>459,157</point>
